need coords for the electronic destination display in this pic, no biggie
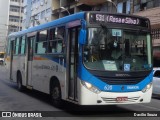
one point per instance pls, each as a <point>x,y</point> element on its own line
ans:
<point>95,18</point>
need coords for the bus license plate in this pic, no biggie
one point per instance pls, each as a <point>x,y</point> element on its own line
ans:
<point>121,99</point>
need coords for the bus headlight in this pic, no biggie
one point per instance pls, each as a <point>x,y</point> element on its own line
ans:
<point>147,88</point>
<point>90,87</point>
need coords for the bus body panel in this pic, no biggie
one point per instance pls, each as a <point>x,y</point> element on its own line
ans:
<point>18,66</point>
<point>43,69</point>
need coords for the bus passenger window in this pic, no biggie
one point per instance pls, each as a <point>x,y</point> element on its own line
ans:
<point>56,40</point>
<point>60,37</point>
<point>59,33</point>
<point>17,46</point>
<point>41,44</point>
<point>59,46</point>
<point>52,34</point>
<point>42,36</point>
<point>41,47</point>
<point>23,42</point>
<point>52,47</point>
<point>22,45</point>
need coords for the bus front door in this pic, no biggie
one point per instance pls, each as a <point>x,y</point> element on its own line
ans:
<point>29,61</point>
<point>72,63</point>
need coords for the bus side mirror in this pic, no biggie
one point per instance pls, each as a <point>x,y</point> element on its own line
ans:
<point>82,37</point>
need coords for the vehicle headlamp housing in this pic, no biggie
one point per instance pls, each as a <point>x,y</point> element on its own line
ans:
<point>147,87</point>
<point>90,87</point>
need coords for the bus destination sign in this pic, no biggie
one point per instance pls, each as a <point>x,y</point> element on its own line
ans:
<point>120,19</point>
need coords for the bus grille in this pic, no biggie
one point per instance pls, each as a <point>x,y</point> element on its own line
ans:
<point>113,100</point>
<point>121,81</point>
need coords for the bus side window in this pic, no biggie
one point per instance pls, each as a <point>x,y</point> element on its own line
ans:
<point>17,42</point>
<point>59,46</point>
<point>56,40</point>
<point>60,39</point>
<point>41,43</point>
<point>9,46</point>
<point>52,46</point>
<point>13,45</point>
<point>23,44</point>
<point>52,43</point>
<point>20,42</point>
<point>52,34</point>
<point>59,33</point>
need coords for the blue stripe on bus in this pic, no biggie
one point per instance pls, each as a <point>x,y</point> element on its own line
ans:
<point>88,77</point>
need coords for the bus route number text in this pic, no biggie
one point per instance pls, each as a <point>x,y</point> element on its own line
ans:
<point>100,17</point>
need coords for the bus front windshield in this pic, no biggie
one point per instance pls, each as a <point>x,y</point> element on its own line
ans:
<point>117,50</point>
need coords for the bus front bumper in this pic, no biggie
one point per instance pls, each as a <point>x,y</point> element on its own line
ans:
<point>111,98</point>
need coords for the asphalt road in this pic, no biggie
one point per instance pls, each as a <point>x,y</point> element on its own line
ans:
<point>13,100</point>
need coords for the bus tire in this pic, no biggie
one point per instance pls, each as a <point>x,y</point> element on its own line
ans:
<point>56,95</point>
<point>19,82</point>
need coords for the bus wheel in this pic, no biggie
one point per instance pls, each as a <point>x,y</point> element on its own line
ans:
<point>56,95</point>
<point>19,82</point>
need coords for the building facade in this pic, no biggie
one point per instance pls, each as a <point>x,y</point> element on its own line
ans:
<point>41,11</point>
<point>11,19</point>
<point>4,6</point>
<point>15,16</point>
<point>36,12</point>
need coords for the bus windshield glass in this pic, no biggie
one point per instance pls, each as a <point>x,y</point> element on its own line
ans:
<point>110,49</point>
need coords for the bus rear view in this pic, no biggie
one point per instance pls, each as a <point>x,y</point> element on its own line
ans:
<point>117,60</point>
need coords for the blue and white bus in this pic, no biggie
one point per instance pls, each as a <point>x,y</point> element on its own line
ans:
<point>88,58</point>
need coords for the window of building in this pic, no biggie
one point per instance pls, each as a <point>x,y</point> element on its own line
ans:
<point>155,33</point>
<point>42,14</point>
<point>143,5</point>
<point>156,3</point>
<point>14,8</point>
<point>13,19</point>
<point>16,0</point>
<point>41,2</point>
<point>38,16</point>
<point>25,10</point>
<point>124,7</point>
<point>48,11</point>
<point>140,5</point>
